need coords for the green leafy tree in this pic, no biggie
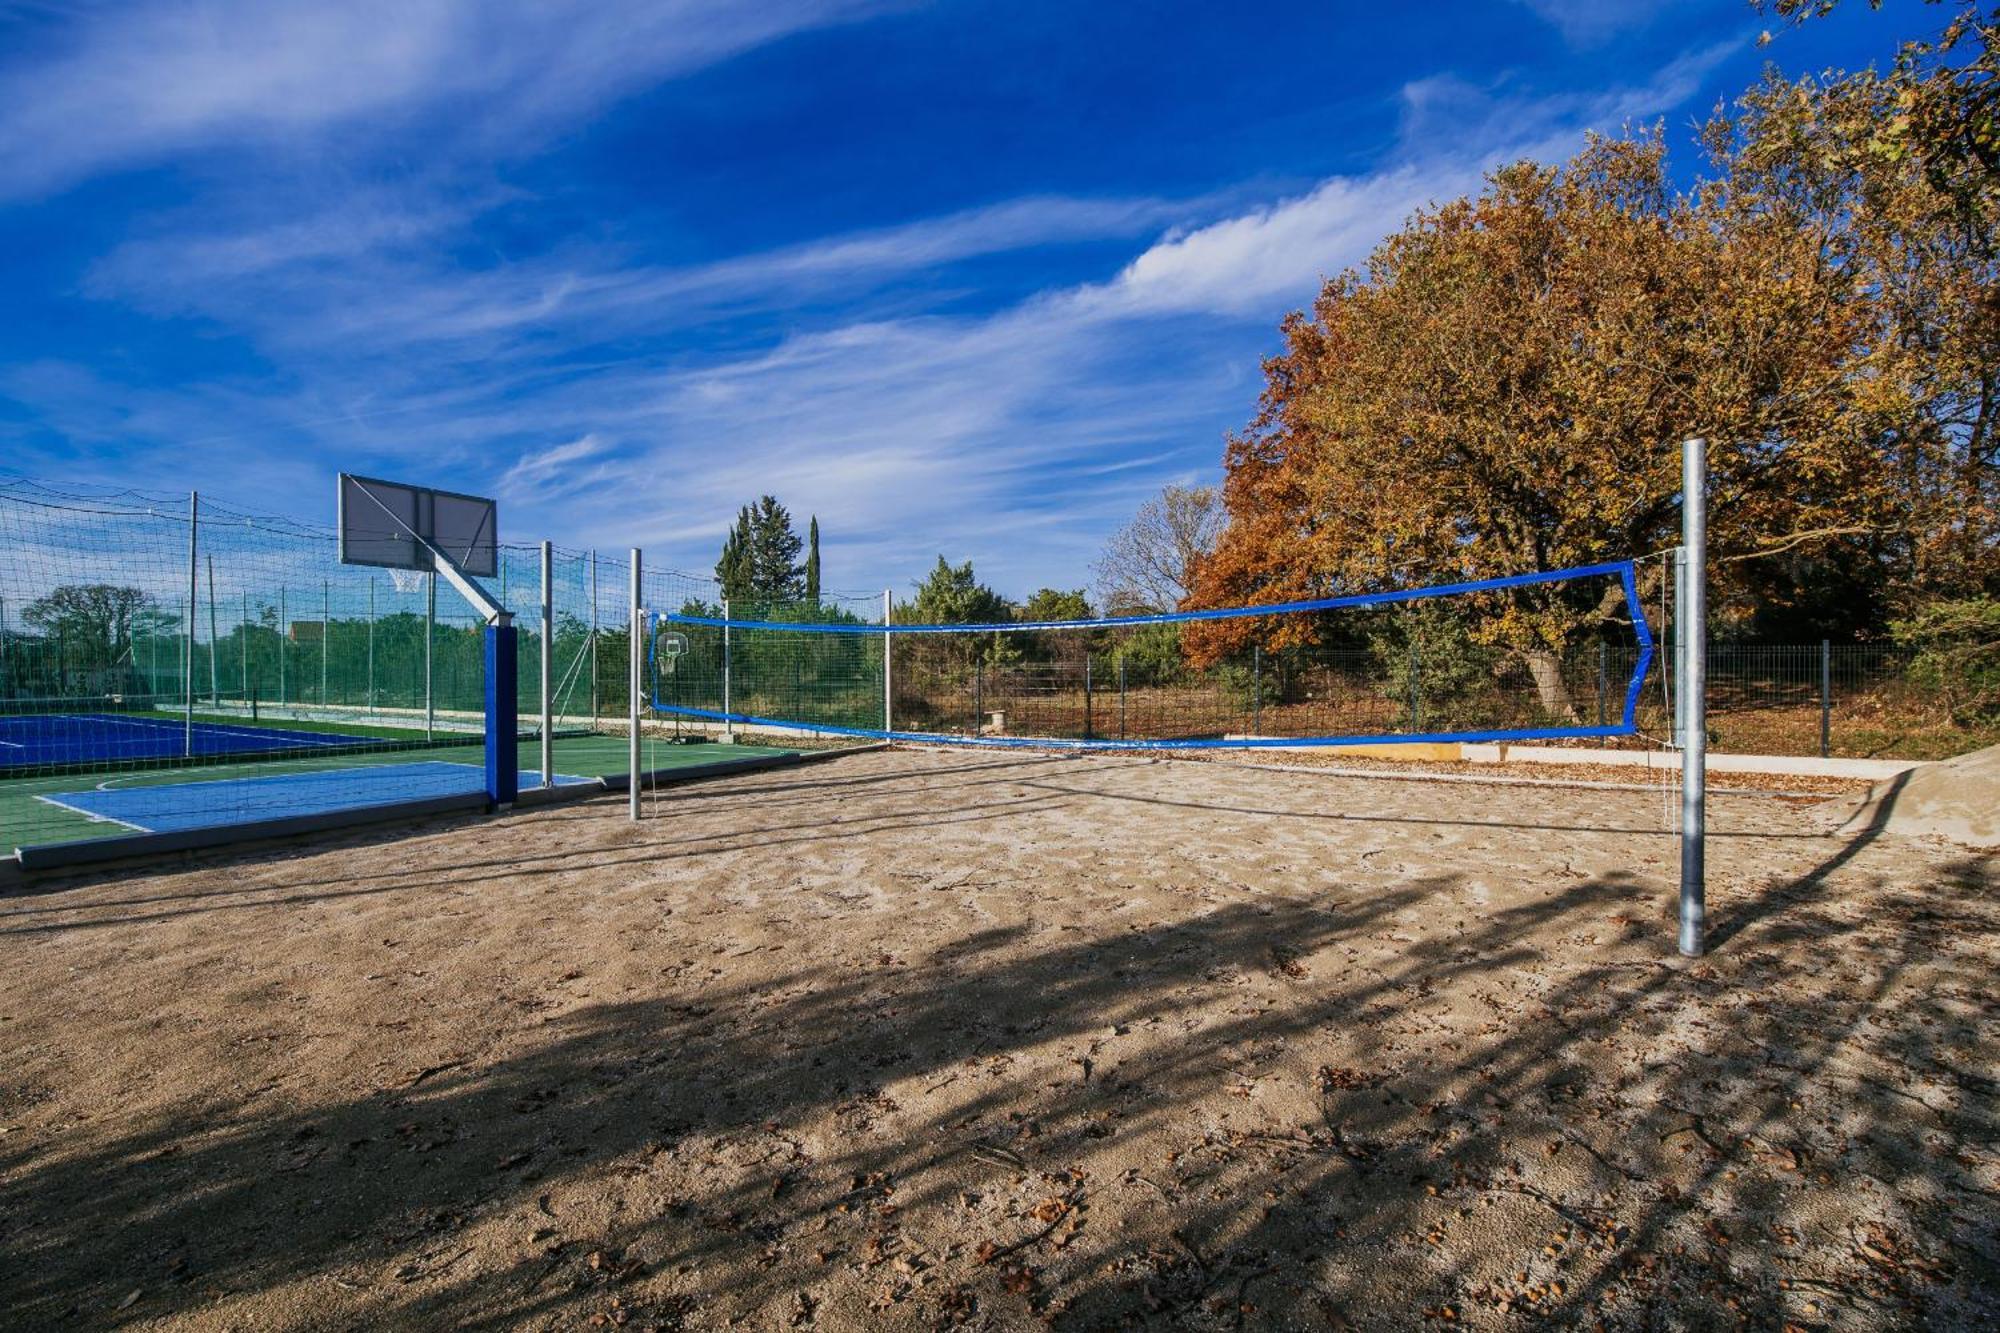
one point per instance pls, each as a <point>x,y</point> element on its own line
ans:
<point>97,622</point>
<point>953,595</point>
<point>1068,646</point>
<point>1957,659</point>
<point>760,557</point>
<point>732,571</point>
<point>1055,604</point>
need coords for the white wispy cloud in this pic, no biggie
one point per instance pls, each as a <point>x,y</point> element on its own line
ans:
<point>367,269</point>
<point>1017,437</point>
<point>1590,23</point>
<point>129,86</point>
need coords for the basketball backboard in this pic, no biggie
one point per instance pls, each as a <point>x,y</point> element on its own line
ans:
<point>394,526</point>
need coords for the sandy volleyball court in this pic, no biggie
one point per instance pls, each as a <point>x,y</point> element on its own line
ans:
<point>928,1040</point>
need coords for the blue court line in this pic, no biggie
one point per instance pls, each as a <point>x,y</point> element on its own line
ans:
<point>173,807</point>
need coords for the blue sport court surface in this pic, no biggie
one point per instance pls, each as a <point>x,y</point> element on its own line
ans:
<point>90,738</point>
<point>174,807</point>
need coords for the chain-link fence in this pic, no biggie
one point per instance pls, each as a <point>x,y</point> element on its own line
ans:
<point>1837,700</point>
<point>169,665</point>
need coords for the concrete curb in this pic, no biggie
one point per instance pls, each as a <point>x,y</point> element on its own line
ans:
<point>1445,752</point>
<point>1805,766</point>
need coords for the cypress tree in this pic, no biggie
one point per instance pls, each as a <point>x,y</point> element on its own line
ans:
<point>812,561</point>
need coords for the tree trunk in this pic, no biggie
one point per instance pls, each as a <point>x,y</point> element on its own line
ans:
<point>1545,668</point>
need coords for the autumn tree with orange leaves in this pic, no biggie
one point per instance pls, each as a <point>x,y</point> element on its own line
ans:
<point>1504,386</point>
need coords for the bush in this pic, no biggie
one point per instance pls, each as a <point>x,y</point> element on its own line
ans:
<point>1957,658</point>
<point>1453,673</point>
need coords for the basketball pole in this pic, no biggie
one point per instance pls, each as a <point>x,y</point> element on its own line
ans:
<point>430,647</point>
<point>1692,643</point>
<point>548,666</point>
<point>632,689</point>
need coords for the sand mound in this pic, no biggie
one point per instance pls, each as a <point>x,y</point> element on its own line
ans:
<point>1958,799</point>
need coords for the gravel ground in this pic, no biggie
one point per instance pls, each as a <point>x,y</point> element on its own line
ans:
<point>915,1040</point>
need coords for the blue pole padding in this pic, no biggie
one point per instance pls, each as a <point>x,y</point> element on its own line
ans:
<point>503,752</point>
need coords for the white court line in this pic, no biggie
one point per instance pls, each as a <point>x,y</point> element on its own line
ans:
<point>93,816</point>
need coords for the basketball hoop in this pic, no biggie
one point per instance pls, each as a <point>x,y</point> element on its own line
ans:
<point>672,646</point>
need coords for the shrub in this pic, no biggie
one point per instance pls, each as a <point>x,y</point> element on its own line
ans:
<point>1957,658</point>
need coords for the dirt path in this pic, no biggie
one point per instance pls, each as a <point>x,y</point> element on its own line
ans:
<point>919,1040</point>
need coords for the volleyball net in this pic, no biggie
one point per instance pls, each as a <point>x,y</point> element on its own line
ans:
<point>1561,654</point>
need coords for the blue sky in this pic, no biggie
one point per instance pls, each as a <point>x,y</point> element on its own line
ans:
<point>960,278</point>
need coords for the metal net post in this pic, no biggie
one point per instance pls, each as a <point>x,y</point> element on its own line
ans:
<point>1694,692</point>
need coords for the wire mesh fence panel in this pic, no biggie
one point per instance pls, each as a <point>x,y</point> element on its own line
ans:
<point>755,682</point>
<point>168,665</point>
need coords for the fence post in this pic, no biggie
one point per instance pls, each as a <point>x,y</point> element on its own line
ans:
<point>1825,698</point>
<point>214,641</point>
<point>1121,696</point>
<point>1086,694</point>
<point>282,698</point>
<point>1603,683</point>
<point>243,644</point>
<point>978,697</point>
<point>371,645</point>
<point>1416,692</point>
<point>548,665</point>
<point>728,722</point>
<point>325,633</point>
<point>187,682</point>
<point>636,632</point>
<point>888,695</point>
<point>1256,689</point>
<point>593,638</point>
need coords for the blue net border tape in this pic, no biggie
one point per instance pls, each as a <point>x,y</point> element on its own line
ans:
<point>1624,569</point>
<point>1077,743</point>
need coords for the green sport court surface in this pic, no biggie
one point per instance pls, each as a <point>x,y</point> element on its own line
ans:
<point>78,806</point>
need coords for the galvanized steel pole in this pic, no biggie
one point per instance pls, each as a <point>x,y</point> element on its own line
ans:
<point>1694,695</point>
